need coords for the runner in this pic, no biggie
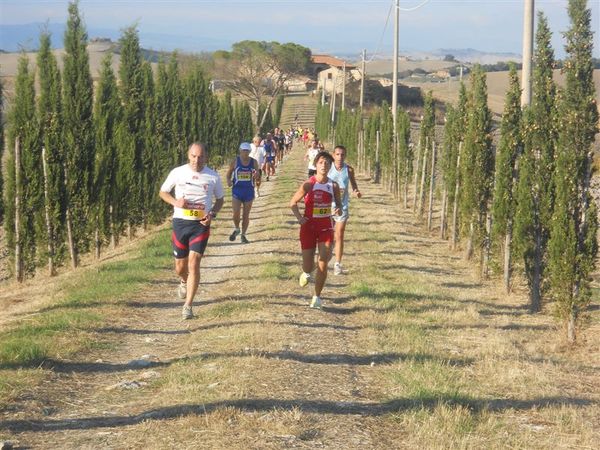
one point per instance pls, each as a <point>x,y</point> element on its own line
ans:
<point>198,198</point>
<point>343,175</point>
<point>258,153</point>
<point>310,156</point>
<point>269,145</point>
<point>241,176</point>
<point>316,227</point>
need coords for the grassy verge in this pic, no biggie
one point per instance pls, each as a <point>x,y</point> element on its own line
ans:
<point>84,303</point>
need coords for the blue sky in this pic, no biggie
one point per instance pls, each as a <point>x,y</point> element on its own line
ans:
<point>324,25</point>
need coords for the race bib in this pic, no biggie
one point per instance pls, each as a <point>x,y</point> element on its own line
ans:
<point>321,211</point>
<point>193,214</point>
<point>244,176</point>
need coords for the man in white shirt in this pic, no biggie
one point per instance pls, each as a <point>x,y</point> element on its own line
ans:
<point>198,198</point>
<point>257,152</point>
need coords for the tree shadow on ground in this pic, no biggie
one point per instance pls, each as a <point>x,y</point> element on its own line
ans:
<point>60,366</point>
<point>364,409</point>
<point>212,326</point>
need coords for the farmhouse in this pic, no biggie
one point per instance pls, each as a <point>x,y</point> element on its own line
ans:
<point>330,74</point>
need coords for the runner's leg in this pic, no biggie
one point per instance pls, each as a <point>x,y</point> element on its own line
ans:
<point>245,216</point>
<point>340,228</point>
<point>181,267</point>
<point>193,277</point>
<point>324,255</point>
<point>236,205</point>
<point>308,260</point>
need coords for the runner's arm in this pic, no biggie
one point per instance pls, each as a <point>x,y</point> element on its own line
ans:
<point>213,211</point>
<point>256,171</point>
<point>229,173</point>
<point>299,195</point>
<point>353,182</point>
<point>338,199</point>
<point>168,198</point>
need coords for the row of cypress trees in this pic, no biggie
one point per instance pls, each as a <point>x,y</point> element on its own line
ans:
<point>523,203</point>
<point>84,166</point>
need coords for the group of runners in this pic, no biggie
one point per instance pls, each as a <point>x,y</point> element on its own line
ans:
<point>197,195</point>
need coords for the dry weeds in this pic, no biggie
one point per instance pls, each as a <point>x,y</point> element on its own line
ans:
<point>410,351</point>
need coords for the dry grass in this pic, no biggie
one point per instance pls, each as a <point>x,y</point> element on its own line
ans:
<point>410,351</point>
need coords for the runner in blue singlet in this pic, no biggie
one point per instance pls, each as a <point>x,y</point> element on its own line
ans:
<point>343,175</point>
<point>242,175</point>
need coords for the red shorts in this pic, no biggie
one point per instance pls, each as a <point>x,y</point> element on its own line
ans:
<point>315,230</point>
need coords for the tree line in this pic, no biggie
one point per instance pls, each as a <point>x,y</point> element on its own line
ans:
<point>521,205</point>
<point>84,164</point>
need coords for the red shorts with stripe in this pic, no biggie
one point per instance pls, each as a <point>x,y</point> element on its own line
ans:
<point>315,231</point>
<point>189,235</point>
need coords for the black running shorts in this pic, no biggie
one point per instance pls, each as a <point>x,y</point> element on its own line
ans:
<point>189,235</point>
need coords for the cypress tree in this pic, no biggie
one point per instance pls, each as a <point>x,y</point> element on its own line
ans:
<point>509,148</point>
<point>175,90</point>
<point>278,109</point>
<point>151,176</point>
<point>131,89</point>
<point>106,195</point>
<point>477,172</point>
<point>163,106</point>
<point>23,124</point>
<point>535,191</point>
<point>78,130</point>
<point>405,152</point>
<point>50,115</point>
<point>573,245</point>
<point>225,147</point>
<point>426,139</point>
<point>449,159</point>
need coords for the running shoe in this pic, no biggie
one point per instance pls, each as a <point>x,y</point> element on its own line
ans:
<point>244,239</point>
<point>337,269</point>
<point>315,302</point>
<point>186,312</point>
<point>182,290</point>
<point>304,279</point>
<point>233,235</point>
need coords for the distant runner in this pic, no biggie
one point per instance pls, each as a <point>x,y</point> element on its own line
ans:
<point>258,153</point>
<point>343,175</point>
<point>270,149</point>
<point>316,227</point>
<point>310,156</point>
<point>241,176</point>
<point>198,198</point>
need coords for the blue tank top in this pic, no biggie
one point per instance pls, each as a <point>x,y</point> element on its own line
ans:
<point>342,178</point>
<point>243,175</point>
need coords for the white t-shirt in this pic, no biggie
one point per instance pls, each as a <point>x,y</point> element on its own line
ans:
<point>258,153</point>
<point>197,188</point>
<point>312,152</point>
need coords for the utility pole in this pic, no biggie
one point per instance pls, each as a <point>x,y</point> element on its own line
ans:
<point>344,86</point>
<point>333,100</point>
<point>395,69</point>
<point>527,52</point>
<point>362,79</point>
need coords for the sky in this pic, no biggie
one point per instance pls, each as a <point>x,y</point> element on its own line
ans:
<point>335,26</point>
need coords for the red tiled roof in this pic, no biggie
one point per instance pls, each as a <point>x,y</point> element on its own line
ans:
<point>329,60</point>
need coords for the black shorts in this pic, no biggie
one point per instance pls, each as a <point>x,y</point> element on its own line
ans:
<point>189,235</point>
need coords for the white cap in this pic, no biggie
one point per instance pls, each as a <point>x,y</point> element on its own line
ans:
<point>245,146</point>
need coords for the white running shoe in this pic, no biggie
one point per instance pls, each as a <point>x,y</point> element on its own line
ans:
<point>315,302</point>
<point>304,279</point>
<point>182,290</point>
<point>337,269</point>
<point>186,312</point>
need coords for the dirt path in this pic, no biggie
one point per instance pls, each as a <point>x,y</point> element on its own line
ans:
<point>258,369</point>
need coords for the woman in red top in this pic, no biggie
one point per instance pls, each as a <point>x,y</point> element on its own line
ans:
<point>316,225</point>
